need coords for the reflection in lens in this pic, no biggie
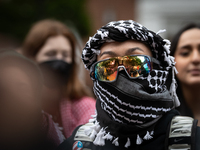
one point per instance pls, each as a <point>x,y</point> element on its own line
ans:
<point>106,70</point>
<point>134,65</point>
<point>140,65</point>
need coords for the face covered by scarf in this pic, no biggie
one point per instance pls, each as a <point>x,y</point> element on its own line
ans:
<point>127,109</point>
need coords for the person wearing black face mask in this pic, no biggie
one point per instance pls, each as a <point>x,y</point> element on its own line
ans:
<point>129,65</point>
<point>56,72</point>
<point>53,47</point>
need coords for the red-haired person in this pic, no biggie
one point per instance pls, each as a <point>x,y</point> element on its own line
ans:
<point>52,46</point>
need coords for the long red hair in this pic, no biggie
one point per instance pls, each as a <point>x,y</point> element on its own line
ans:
<point>36,38</point>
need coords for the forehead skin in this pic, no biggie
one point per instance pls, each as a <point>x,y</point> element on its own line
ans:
<point>60,45</point>
<point>129,47</point>
<point>189,38</point>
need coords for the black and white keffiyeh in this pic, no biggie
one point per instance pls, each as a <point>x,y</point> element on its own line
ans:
<point>154,83</point>
<point>128,29</point>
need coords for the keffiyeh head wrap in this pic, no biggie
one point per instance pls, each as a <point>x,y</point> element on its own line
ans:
<point>125,30</point>
<point>120,109</point>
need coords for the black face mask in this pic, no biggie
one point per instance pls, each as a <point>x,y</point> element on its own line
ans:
<point>55,72</point>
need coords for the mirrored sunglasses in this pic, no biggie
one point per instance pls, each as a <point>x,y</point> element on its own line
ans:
<point>134,65</point>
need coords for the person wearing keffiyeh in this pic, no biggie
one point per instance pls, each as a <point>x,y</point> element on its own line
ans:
<point>134,108</point>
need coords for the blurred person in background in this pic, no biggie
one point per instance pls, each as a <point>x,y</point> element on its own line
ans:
<point>23,125</point>
<point>186,50</point>
<point>52,46</point>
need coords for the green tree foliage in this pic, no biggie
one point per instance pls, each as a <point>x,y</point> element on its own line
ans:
<point>17,16</point>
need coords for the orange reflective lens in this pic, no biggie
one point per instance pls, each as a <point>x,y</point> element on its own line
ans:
<point>135,66</point>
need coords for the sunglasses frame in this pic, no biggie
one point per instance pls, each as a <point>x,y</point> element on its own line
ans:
<point>92,69</point>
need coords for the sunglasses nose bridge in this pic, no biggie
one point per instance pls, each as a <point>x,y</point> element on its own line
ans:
<point>121,67</point>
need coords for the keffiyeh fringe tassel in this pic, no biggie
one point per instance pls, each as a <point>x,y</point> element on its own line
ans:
<point>148,136</point>
<point>115,142</point>
<point>99,140</point>
<point>161,31</point>
<point>173,88</point>
<point>128,143</point>
<point>170,60</point>
<point>99,135</point>
<point>139,140</point>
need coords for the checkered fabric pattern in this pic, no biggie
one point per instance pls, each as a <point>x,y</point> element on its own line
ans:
<point>75,113</point>
<point>120,105</point>
<point>121,31</point>
<point>128,29</point>
<point>53,132</point>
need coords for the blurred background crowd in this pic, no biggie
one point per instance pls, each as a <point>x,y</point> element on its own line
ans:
<point>40,54</point>
<point>84,17</point>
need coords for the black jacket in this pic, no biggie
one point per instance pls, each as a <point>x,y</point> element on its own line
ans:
<point>157,143</point>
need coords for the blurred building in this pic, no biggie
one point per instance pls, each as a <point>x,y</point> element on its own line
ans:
<point>104,11</point>
<point>167,14</point>
<point>100,13</point>
<point>154,14</point>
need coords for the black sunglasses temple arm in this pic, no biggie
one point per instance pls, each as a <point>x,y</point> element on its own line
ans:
<point>92,72</point>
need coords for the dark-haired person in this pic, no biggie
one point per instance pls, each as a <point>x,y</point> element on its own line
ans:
<point>129,65</point>
<point>186,50</point>
<point>52,45</point>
